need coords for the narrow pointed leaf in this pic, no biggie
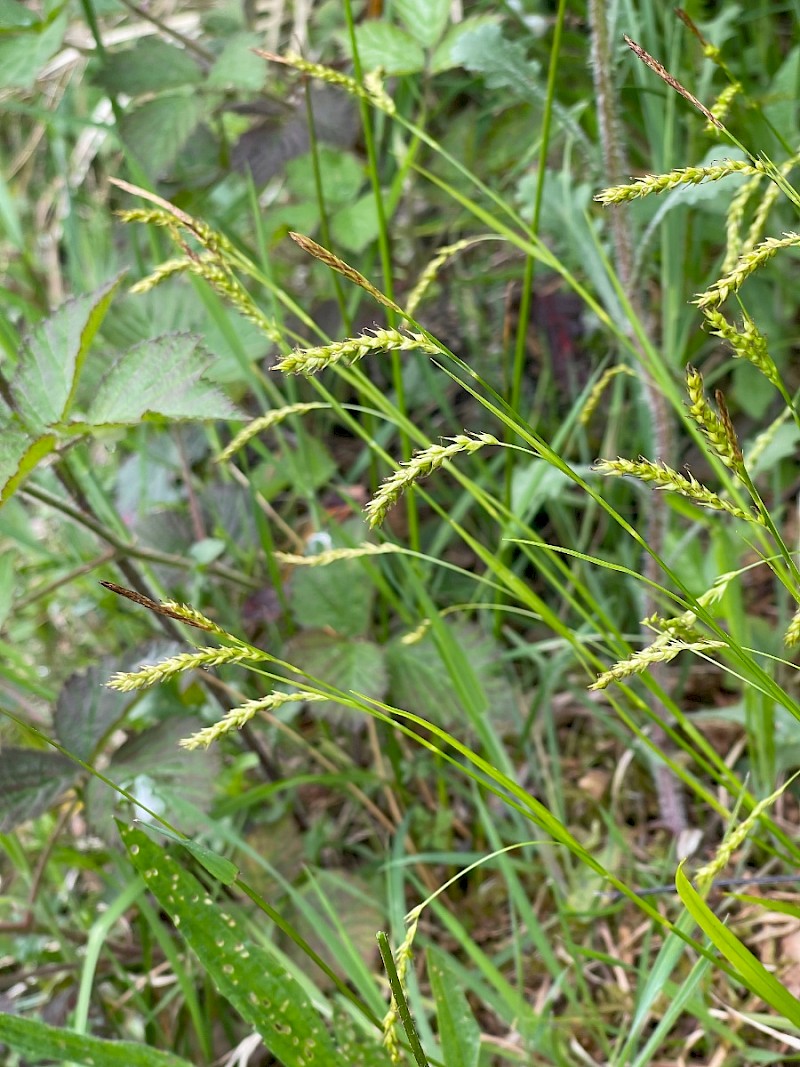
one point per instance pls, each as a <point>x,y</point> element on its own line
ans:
<point>752,971</point>
<point>36,1040</point>
<point>459,1033</point>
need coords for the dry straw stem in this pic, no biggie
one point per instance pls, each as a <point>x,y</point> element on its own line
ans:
<point>718,428</point>
<point>372,90</point>
<point>420,466</point>
<point>264,423</point>
<point>186,661</point>
<point>238,717</point>
<point>333,555</point>
<point>664,477</point>
<point>339,265</point>
<point>747,263</point>
<point>660,651</point>
<point>312,360</point>
<point>662,183</point>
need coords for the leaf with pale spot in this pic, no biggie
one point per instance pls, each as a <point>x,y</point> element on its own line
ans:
<point>37,1041</point>
<point>250,978</point>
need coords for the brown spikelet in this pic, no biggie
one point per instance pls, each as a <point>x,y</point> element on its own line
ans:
<point>339,265</point>
<point>673,83</point>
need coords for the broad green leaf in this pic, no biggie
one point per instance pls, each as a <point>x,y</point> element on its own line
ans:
<point>503,63</point>
<point>157,771</point>
<point>34,1039</point>
<point>444,55</point>
<point>342,176</point>
<point>425,20</point>
<point>347,664</point>
<point>459,1034</point>
<point>750,969</point>
<point>157,131</point>
<point>303,469</point>
<point>151,66</point>
<point>250,978</point>
<point>86,710</point>
<point>338,596</point>
<point>782,444</point>
<point>780,106</point>
<point>23,54</point>
<point>419,681</point>
<point>383,45</point>
<point>16,16</point>
<point>237,66</point>
<point>159,377</point>
<point>53,354</point>
<point>18,457</point>
<point>355,226</point>
<point>30,782</point>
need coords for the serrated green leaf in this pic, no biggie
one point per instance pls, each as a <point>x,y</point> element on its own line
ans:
<point>23,54</point>
<point>260,989</point>
<point>749,968</point>
<point>157,131</point>
<point>53,354</point>
<point>30,782</point>
<point>338,596</point>
<point>18,457</point>
<point>382,45</point>
<point>444,55</point>
<point>162,377</point>
<point>342,662</point>
<point>425,20</point>
<point>503,63</point>
<point>86,710</point>
<point>459,1033</point>
<point>156,770</point>
<point>419,681</point>
<point>237,66</point>
<point>32,1038</point>
<point>151,66</point>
